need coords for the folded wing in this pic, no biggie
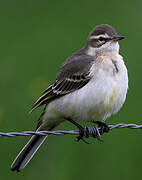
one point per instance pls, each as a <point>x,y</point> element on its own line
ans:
<point>72,76</point>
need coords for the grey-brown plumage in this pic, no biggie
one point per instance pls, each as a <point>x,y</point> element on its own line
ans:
<point>73,81</point>
<point>103,29</point>
<point>72,76</point>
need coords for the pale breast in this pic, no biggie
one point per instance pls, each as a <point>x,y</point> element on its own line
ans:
<point>102,96</point>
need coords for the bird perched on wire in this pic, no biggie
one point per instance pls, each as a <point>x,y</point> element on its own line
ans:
<point>90,86</point>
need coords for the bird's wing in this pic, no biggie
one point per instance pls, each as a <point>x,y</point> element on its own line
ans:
<point>72,76</point>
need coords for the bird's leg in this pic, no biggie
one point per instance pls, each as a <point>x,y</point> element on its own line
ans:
<point>86,131</point>
<point>103,126</point>
<point>83,131</point>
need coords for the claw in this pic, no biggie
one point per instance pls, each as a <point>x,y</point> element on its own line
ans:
<point>90,131</point>
<point>94,132</point>
<point>83,132</point>
<point>104,128</point>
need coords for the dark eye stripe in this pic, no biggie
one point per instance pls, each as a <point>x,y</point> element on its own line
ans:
<point>104,39</point>
<point>97,42</point>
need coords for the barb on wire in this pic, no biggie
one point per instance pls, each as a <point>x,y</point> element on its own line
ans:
<point>72,132</point>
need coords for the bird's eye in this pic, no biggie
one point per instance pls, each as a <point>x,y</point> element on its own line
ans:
<point>97,42</point>
<point>102,39</point>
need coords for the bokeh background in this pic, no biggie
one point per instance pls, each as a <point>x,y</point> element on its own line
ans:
<point>35,39</point>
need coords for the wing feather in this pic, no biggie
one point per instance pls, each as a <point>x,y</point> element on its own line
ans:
<point>48,94</point>
<point>60,88</point>
<point>71,77</point>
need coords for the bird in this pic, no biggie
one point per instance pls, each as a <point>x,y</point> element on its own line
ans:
<point>91,85</point>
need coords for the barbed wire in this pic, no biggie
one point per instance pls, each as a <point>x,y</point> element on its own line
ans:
<point>72,132</point>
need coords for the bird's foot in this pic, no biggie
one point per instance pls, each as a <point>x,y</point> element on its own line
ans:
<point>83,133</point>
<point>104,128</point>
<point>87,131</point>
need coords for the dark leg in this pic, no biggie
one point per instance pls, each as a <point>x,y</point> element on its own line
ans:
<point>82,130</point>
<point>86,131</point>
<point>75,123</point>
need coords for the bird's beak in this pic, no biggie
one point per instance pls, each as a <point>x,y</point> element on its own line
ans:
<point>118,38</point>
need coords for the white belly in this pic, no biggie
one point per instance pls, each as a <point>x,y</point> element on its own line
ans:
<point>102,96</point>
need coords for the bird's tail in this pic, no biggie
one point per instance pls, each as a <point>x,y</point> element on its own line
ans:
<point>28,152</point>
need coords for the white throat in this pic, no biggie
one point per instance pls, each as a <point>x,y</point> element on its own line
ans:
<point>107,47</point>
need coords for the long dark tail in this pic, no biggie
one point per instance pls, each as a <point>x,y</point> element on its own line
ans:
<point>27,152</point>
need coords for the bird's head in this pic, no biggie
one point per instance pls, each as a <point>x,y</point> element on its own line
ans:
<point>103,38</point>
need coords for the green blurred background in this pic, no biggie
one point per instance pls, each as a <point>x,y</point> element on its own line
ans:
<point>35,39</point>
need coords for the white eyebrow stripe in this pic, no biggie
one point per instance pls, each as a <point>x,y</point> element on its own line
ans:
<point>98,36</point>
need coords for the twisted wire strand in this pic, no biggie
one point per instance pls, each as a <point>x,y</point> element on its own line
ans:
<point>72,132</point>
